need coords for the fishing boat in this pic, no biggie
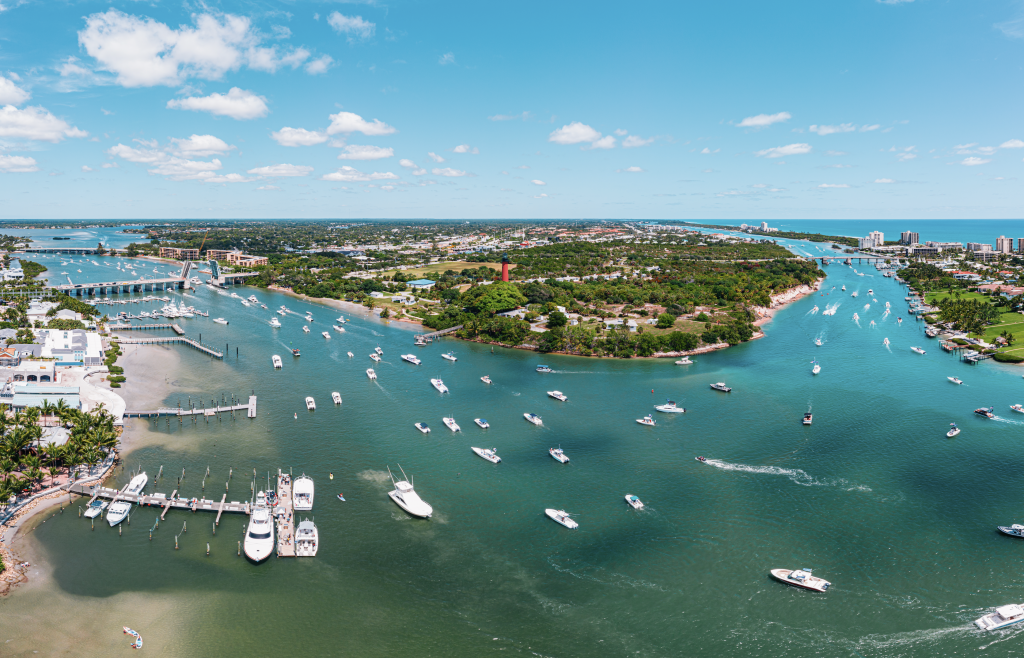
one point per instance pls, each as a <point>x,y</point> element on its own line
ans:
<point>482,422</point>
<point>302,493</point>
<point>1015,530</point>
<point>801,578</point>
<point>439,385</point>
<point>374,357</point>
<point>634,502</point>
<point>987,413</point>
<point>275,323</point>
<point>485,379</point>
<point>306,538</point>
<point>378,350</point>
<point>558,455</point>
<point>488,454</point>
<point>533,418</point>
<point>276,360</point>
<point>350,355</point>
<point>371,374</point>
<point>119,509</point>
<point>647,420</point>
<point>259,536</point>
<point>685,361</point>
<point>562,517</point>
<point>411,358</point>
<point>669,408</point>
<point>337,328</point>
<point>406,497</point>
<point>917,349</point>
<point>816,369</point>
<point>422,427</point>
<point>450,356</point>
<point>451,424</point>
<point>325,334</point>
<point>217,320</point>
<point>808,418</point>
<point>336,396</point>
<point>953,430</point>
<point>309,317</point>
<point>1004,616</point>
<point>720,386</point>
<point>1018,408</point>
<point>295,352</point>
<point>137,642</point>
<point>558,395</point>
<point>955,380</point>
<point>310,404</point>
<point>544,369</point>
<point>95,508</point>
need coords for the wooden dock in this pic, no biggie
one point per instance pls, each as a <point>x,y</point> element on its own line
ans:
<point>437,334</point>
<point>284,515</point>
<point>162,501</point>
<point>144,327</point>
<point>191,342</point>
<point>249,408</point>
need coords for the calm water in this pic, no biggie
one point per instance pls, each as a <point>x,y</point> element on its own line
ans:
<point>950,230</point>
<point>873,497</point>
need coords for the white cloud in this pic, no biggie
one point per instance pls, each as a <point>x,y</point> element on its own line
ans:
<point>630,170</point>
<point>633,141</point>
<point>1012,144</point>
<point>758,185</point>
<point>884,180</point>
<point>447,171</point>
<point>86,168</point>
<point>574,133</point>
<point>903,157</point>
<point>538,182</point>
<point>867,128</point>
<point>447,58</point>
<point>351,175</point>
<point>510,117</point>
<point>12,94</point>
<point>541,196</point>
<point>466,148</point>
<point>200,146</point>
<point>783,151</point>
<point>620,132</point>
<point>366,152</point>
<point>227,178</point>
<point>35,123</point>
<point>352,26</point>
<point>707,151</point>
<point>280,171</point>
<point>268,187</point>
<point>238,104</point>
<point>832,185</point>
<point>110,165</point>
<point>973,161</point>
<point>17,164</point>
<point>163,163</point>
<point>828,130</point>
<point>298,137</point>
<point>606,142</point>
<point>419,172</point>
<point>319,65</point>
<point>435,157</point>
<point>762,120</point>
<point>347,122</point>
<point>408,164</point>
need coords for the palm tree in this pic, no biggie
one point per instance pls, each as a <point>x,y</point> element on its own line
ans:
<point>47,409</point>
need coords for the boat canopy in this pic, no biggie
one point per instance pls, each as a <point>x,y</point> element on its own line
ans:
<point>1010,611</point>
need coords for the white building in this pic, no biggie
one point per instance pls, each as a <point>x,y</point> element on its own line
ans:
<point>71,345</point>
<point>1004,245</point>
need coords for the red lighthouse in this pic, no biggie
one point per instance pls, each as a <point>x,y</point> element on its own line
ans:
<point>504,267</point>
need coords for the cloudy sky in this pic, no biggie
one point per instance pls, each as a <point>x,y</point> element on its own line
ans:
<point>685,109</point>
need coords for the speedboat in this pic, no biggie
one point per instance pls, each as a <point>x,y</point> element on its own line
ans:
<point>295,351</point>
<point>305,329</point>
<point>276,360</point>
<point>350,355</point>
<point>310,404</point>
<point>482,422</point>
<point>371,374</point>
<point>702,459</point>
<point>817,341</point>
<point>918,350</point>
<point>1015,530</point>
<point>217,320</point>
<point>275,323</point>
<point>306,538</point>
<point>558,455</point>
<point>634,502</point>
<point>844,288</point>
<point>816,369</point>
<point>544,369</point>
<point>488,454</point>
<point>885,341</point>
<point>1018,408</point>
<point>808,417</point>
<point>685,361</point>
<point>450,356</point>
<point>801,578</point>
<point>562,517</point>
<point>439,385</point>
<point>281,313</point>
<point>870,291</point>
<point>325,334</point>
<point>118,510</point>
<point>955,380</point>
<point>853,294</point>
<point>533,418</point>
<point>336,396</point>
<point>302,493</point>
<point>337,328</point>
<point>252,298</point>
<point>259,536</point>
<point>309,317</point>
<point>451,424</point>
<point>406,497</point>
<point>485,379</point>
<point>647,420</point>
<point>411,358</point>
<point>669,408</point>
<point>341,319</point>
<point>1007,615</point>
<point>720,386</point>
<point>422,427</point>
<point>987,413</point>
<point>378,350</point>
<point>95,508</point>
<point>373,355</point>
<point>558,395</point>
<point>953,430</point>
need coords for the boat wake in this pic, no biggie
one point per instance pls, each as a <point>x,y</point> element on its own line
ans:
<point>377,477</point>
<point>867,306</point>
<point>795,475</point>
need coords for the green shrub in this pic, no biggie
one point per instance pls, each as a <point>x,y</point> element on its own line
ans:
<point>1007,358</point>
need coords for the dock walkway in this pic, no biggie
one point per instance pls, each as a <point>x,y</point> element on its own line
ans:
<point>143,327</point>
<point>284,515</point>
<point>249,408</point>
<point>437,334</point>
<point>161,500</point>
<point>191,342</point>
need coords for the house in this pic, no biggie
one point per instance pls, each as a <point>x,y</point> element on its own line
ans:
<point>631,325</point>
<point>9,357</point>
<point>377,295</point>
<point>29,370</point>
<point>421,284</point>
<point>22,396</point>
<point>37,311</point>
<point>67,314</point>
<point>13,274</point>
<point>71,346</point>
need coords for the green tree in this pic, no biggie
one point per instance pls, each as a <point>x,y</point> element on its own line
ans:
<point>557,319</point>
<point>497,297</point>
<point>666,320</point>
<point>100,250</point>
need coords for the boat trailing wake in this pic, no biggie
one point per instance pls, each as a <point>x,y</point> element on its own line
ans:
<point>795,475</point>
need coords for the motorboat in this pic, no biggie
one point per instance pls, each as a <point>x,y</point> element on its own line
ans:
<point>337,328</point>
<point>844,288</point>
<point>282,313</point>
<point>485,379</point>
<point>955,380</point>
<point>451,424</point>
<point>295,351</point>
<point>310,404</point>
<point>808,418</point>
<point>217,320</point>
<point>406,497</point>
<point>252,298</point>
<point>325,334</point>
<point>482,422</point>
<point>375,357</point>
<point>450,356</point>
<point>1018,408</point>
<point>1015,530</point>
<point>378,350</point>
<point>562,517</point>
<point>341,319</point>
<point>817,341</point>
<point>720,386</point>
<point>306,538</point>
<point>276,360</point>
<point>917,349</point>
<point>544,369</point>
<point>95,508</point>
<point>137,642</point>
<point>439,385</point>
<point>987,413</point>
<point>953,430</point>
<point>302,493</point>
<point>259,536</point>
<point>488,454</point>
<point>634,502</point>
<point>816,369</point>
<point>533,418</point>
<point>371,374</point>
<point>685,361</point>
<point>558,395</point>
<point>336,396</point>
<point>350,355</point>
<point>669,408</point>
<point>870,291</point>
<point>854,293</point>
<point>558,455</point>
<point>885,341</point>
<point>275,323</point>
<point>647,420</point>
<point>702,459</point>
<point>801,578</point>
<point>411,358</point>
<point>305,329</point>
<point>422,427</point>
<point>119,509</point>
<point>309,317</point>
<point>1004,616</point>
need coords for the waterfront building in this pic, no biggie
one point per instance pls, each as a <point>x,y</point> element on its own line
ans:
<point>1004,245</point>
<point>22,396</point>
<point>910,238</point>
<point>919,250</point>
<point>946,246</point>
<point>179,254</point>
<point>878,237</point>
<point>764,226</point>
<point>71,346</point>
<point>421,284</point>
<point>13,274</point>
<point>1020,245</point>
<point>25,370</point>
<point>978,246</point>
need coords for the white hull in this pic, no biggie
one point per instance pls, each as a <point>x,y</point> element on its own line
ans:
<point>536,420</point>
<point>303,491</point>
<point>452,425</point>
<point>489,455</point>
<point>561,518</point>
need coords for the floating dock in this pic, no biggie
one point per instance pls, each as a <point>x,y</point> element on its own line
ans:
<point>284,516</point>
<point>191,342</point>
<point>162,501</point>
<point>143,327</point>
<point>250,410</point>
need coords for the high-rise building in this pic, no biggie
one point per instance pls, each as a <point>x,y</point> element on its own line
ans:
<point>1020,245</point>
<point>1004,245</point>
<point>764,226</point>
<point>909,238</point>
<point>878,237</point>
<point>978,246</point>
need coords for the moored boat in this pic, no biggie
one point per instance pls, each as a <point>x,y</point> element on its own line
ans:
<point>451,424</point>
<point>558,395</point>
<point>808,418</point>
<point>217,320</point>
<point>647,420</point>
<point>450,356</point>
<point>374,357</point>
<point>955,380</point>
<point>533,418</point>
<point>259,536</point>
<point>558,455</point>
<point>411,358</point>
<point>482,422</point>
<point>119,509</point>
<point>325,334</point>
<point>336,396</point>
<point>95,508</point>
<point>307,538</point>
<point>1015,530</point>
<point>801,578</point>
<point>487,453</point>
<point>310,403</point>
<point>406,497</point>
<point>439,385</point>
<point>720,386</point>
<point>669,408</point>
<point>422,427</point>
<point>485,379</point>
<point>685,361</point>
<point>562,517</point>
<point>953,430</point>
<point>302,493</point>
<point>276,360</point>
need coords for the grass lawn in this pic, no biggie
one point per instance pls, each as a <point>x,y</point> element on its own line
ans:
<point>437,268</point>
<point>932,298</point>
<point>1012,322</point>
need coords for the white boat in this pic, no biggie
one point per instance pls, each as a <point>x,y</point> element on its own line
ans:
<point>95,508</point>
<point>720,386</point>
<point>336,396</point>
<point>422,427</point>
<point>953,430</point>
<point>350,355</point>
<point>634,502</point>
<point>450,356</point>
<point>118,510</point>
<point>685,361</point>
<point>378,350</point>
<point>669,408</point>
<point>853,294</point>
<point>1018,408</point>
<point>885,341</point>
<point>485,379</point>
<point>562,517</point>
<point>245,303</point>
<point>439,385</point>
<point>341,319</point>
<point>558,395</point>
<point>217,320</point>
<point>955,380</point>
<point>406,497</point>
<point>451,424</point>
<point>647,420</point>
<point>337,328</point>
<point>305,329</point>
<point>817,341</point>
<point>276,360</point>
<point>1004,616</point>
<point>918,350</point>
<point>259,536</point>
<point>282,313</point>
<point>816,369</point>
<point>370,373</point>
<point>275,323</point>
<point>533,418</point>
<point>482,422</point>
<point>544,369</point>
<point>870,291</point>
<point>373,356</point>
<point>844,288</point>
<point>310,404</point>
<point>302,493</point>
<point>306,539</point>
<point>801,578</point>
<point>488,454</point>
<point>252,298</point>
<point>411,358</point>
<point>558,455</point>
<point>325,334</point>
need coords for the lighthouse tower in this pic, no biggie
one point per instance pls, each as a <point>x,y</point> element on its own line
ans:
<point>504,267</point>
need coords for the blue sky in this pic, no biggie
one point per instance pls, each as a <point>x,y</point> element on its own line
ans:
<point>741,109</point>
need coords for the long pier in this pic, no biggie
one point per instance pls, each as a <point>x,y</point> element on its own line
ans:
<point>191,342</point>
<point>285,520</point>
<point>436,334</point>
<point>249,408</point>
<point>161,500</point>
<point>143,327</point>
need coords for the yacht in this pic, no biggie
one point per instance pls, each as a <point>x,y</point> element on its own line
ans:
<point>451,424</point>
<point>406,497</point>
<point>987,413</point>
<point>252,298</point>
<point>634,502</point>
<point>422,427</point>
<point>953,430</point>
<point>350,355</point>
<point>1007,615</point>
<point>544,369</point>
<point>306,539</point>
<point>488,454</point>
<point>685,361</point>
<point>337,328</point>
<point>309,317</point>
<point>482,422</point>
<point>801,578</point>
<point>217,320</point>
<point>341,319</point>
<point>558,395</point>
<point>439,385</point>
<point>533,418</point>
<point>955,380</point>
<point>276,360</point>
<point>259,537</point>
<point>816,369</point>
<point>302,493</point>
<point>562,517</point>
<point>721,387</point>
<point>275,323</point>
<point>411,358</point>
<point>808,418</point>
<point>378,350</point>
<point>450,356</point>
<point>310,404</point>
<point>1015,530</point>
<point>95,508</point>
<point>305,329</point>
<point>118,510</point>
<point>647,420</point>
<point>370,373</point>
<point>558,455</point>
<point>336,396</point>
<point>485,379</point>
<point>918,350</point>
<point>669,408</point>
<point>373,355</point>
<point>325,334</point>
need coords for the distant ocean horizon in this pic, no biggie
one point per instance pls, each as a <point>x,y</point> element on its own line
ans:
<point>939,230</point>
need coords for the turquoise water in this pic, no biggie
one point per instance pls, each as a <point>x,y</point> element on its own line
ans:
<point>872,496</point>
<point>948,230</point>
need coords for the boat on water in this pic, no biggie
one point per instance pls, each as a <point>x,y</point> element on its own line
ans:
<point>871,291</point>
<point>341,319</point>
<point>844,288</point>
<point>533,418</point>
<point>325,334</point>
<point>1018,408</point>
<point>917,349</point>
<point>647,420</point>
<point>336,396</point>
<point>669,408</point>
<point>562,517</point>
<point>955,380</point>
<point>685,361</point>
<point>137,642</point>
<point>816,369</point>
<point>439,385</point>
<point>487,453</point>
<point>252,298</point>
<point>802,578</point>
<point>375,357</point>
<point>634,502</point>
<point>276,360</point>
<point>558,395</point>
<point>817,341</point>
<point>295,352</point>
<point>720,386</point>
<point>371,374</point>
<point>337,328</point>
<point>405,496</point>
<point>95,508</point>
<point>702,459</point>
<point>259,536</point>
<point>275,323</point>
<point>422,427</point>
<point>885,341</point>
<point>485,379</point>
<point>987,413</point>
<point>808,418</point>
<point>558,455</point>
<point>302,493</point>
<point>451,424</point>
<point>953,430</point>
<point>217,320</point>
<point>307,538</point>
<point>310,404</point>
<point>1015,530</point>
<point>411,358</point>
<point>1007,615</point>
<point>450,356</point>
<point>853,294</point>
<point>482,422</point>
<point>309,317</point>
<point>544,369</point>
<point>119,509</point>
<point>378,350</point>
<point>282,313</point>
<point>350,355</point>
